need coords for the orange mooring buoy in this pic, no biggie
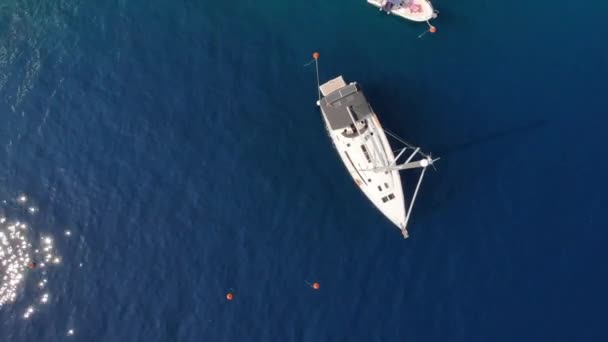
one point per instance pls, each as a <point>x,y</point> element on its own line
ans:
<point>316,286</point>
<point>229,296</point>
<point>432,29</point>
<point>315,55</point>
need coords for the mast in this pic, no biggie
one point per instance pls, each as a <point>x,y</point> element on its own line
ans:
<point>409,210</point>
<point>423,163</point>
<point>399,155</point>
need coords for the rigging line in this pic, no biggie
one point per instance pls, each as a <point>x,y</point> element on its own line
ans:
<point>315,58</point>
<point>403,141</point>
<point>398,138</point>
<point>318,85</point>
<point>377,155</point>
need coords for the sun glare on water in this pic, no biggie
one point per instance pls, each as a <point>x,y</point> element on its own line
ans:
<point>27,256</point>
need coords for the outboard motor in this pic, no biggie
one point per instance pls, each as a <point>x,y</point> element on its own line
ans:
<point>387,7</point>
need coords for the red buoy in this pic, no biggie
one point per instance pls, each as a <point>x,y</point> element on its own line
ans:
<point>31,265</point>
<point>229,296</point>
<point>316,286</point>
<point>315,55</point>
<point>432,29</point>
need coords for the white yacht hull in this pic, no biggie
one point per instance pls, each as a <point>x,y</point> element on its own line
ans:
<point>368,181</point>
<point>364,152</point>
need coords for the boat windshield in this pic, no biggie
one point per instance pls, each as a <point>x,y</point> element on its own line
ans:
<point>390,5</point>
<point>396,4</point>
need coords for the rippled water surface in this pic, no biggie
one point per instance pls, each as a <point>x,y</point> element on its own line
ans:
<point>158,154</point>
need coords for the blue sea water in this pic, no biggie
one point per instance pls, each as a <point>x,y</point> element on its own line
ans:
<point>180,143</point>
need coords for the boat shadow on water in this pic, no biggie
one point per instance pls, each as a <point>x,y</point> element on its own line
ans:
<point>477,164</point>
<point>505,133</point>
<point>464,161</point>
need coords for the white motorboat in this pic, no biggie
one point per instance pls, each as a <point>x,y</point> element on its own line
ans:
<point>415,10</point>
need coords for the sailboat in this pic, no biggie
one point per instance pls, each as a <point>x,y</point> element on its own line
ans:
<point>364,148</point>
<point>415,10</point>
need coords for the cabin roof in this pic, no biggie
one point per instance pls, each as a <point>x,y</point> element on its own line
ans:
<point>335,106</point>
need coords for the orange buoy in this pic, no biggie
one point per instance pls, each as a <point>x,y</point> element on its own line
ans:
<point>316,286</point>
<point>229,296</point>
<point>432,29</point>
<point>315,55</point>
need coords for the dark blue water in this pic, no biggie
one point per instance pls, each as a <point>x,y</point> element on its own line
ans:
<point>180,142</point>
